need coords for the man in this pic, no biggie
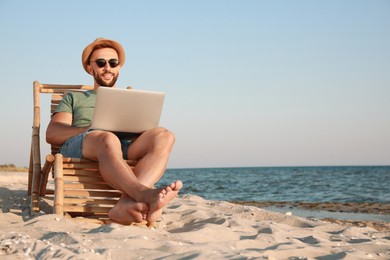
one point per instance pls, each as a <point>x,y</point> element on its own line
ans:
<point>70,128</point>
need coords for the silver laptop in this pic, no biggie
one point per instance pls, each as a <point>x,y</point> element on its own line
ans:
<point>127,110</point>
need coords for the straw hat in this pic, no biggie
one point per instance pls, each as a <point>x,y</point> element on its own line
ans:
<point>106,43</point>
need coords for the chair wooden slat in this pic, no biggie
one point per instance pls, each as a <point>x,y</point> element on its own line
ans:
<point>94,193</point>
<point>71,172</point>
<point>56,98</point>
<point>87,209</point>
<point>87,186</point>
<point>84,179</point>
<point>93,201</point>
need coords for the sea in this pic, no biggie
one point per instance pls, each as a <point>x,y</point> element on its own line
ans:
<point>358,184</point>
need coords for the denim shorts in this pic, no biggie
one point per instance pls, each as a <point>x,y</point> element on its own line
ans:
<point>73,147</point>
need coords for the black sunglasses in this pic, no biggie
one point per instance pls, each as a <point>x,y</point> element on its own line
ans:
<point>101,63</point>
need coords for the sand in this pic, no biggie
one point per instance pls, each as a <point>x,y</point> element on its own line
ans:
<point>191,228</point>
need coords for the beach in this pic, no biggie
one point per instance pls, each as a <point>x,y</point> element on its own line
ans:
<point>191,228</point>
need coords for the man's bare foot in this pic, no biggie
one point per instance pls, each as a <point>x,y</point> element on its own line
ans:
<point>128,211</point>
<point>160,198</point>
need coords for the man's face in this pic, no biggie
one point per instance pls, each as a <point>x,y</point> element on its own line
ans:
<point>105,76</point>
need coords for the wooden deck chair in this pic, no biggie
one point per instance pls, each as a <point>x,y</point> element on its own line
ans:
<point>79,190</point>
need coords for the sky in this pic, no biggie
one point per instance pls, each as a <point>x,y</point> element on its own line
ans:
<point>247,83</point>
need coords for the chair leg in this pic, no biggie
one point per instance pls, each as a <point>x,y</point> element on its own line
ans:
<point>45,174</point>
<point>35,188</point>
<point>36,171</point>
<point>34,202</point>
<point>59,185</point>
<point>30,173</point>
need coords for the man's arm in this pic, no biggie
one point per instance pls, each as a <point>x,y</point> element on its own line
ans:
<point>60,129</point>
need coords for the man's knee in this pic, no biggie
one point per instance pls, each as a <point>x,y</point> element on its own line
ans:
<point>108,139</point>
<point>165,135</point>
<point>160,139</point>
<point>103,140</point>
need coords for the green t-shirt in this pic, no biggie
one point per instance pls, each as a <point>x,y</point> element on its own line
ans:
<point>80,105</point>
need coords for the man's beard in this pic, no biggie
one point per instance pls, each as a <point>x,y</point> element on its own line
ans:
<point>101,82</point>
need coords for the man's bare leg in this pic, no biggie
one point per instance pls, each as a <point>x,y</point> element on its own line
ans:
<point>152,150</point>
<point>104,147</point>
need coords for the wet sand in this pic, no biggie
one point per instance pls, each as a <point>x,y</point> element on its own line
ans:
<point>375,215</point>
